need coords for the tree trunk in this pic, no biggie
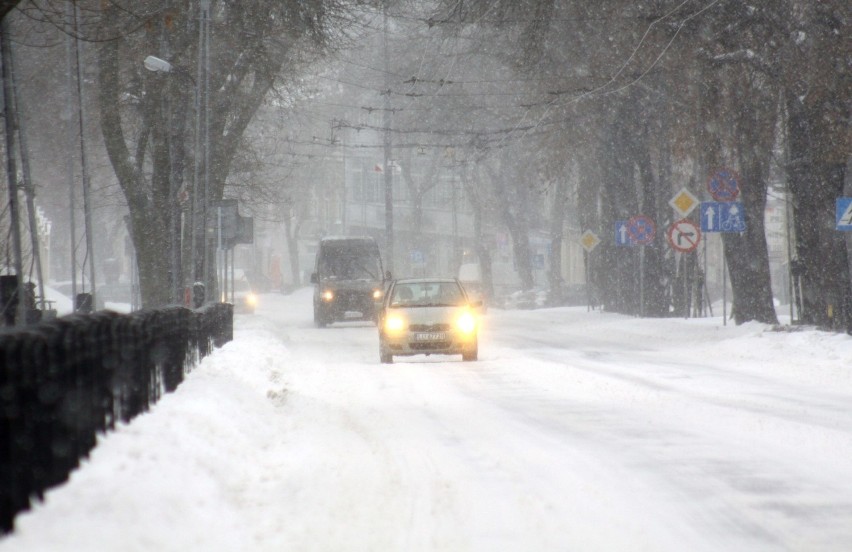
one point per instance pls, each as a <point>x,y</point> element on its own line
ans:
<point>515,221</point>
<point>149,213</point>
<point>557,221</point>
<point>747,254</point>
<point>483,252</point>
<point>820,249</point>
<point>618,272</point>
<point>419,241</point>
<point>513,205</point>
<point>654,297</point>
<point>291,235</point>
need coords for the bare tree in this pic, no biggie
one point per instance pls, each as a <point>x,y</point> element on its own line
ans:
<point>142,114</point>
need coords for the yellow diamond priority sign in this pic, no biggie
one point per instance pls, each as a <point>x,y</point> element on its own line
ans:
<point>590,240</point>
<point>684,202</point>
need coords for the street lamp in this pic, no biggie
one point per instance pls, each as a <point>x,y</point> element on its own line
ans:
<point>157,65</point>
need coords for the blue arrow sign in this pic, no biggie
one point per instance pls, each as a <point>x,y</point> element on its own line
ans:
<point>622,237</point>
<point>844,214</point>
<point>719,216</point>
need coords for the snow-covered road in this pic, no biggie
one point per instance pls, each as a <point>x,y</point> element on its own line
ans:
<point>576,430</point>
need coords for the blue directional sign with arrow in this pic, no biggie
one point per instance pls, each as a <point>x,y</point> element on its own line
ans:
<point>722,216</point>
<point>621,235</point>
<point>844,214</point>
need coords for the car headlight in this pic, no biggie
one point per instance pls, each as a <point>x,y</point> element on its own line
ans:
<point>377,294</point>
<point>327,295</point>
<point>466,323</point>
<point>251,300</point>
<point>394,324</point>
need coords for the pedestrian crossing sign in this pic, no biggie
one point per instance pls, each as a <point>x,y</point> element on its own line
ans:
<point>844,214</point>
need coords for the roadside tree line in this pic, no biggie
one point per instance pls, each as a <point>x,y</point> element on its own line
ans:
<point>652,96</point>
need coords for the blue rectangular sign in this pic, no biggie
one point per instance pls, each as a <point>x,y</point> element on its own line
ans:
<point>722,216</point>
<point>844,214</point>
<point>622,236</point>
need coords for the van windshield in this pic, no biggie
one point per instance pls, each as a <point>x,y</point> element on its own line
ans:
<point>350,261</point>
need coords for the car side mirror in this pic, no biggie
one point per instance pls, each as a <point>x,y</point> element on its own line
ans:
<point>388,275</point>
<point>314,278</point>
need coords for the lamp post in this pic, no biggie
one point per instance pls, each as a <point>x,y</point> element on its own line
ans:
<point>157,65</point>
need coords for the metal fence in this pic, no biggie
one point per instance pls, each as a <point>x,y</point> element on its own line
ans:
<point>64,381</point>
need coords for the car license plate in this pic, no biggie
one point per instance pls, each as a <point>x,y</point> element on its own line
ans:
<point>430,336</point>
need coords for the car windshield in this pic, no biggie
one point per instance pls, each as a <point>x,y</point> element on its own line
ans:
<point>242,285</point>
<point>348,262</point>
<point>427,294</point>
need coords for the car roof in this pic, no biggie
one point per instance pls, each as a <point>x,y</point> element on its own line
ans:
<point>327,239</point>
<point>425,281</point>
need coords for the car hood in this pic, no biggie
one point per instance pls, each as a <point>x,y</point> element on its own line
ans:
<point>430,315</point>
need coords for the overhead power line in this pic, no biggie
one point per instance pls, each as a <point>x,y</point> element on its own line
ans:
<point>444,132</point>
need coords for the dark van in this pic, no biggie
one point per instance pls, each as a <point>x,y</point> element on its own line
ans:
<point>348,280</point>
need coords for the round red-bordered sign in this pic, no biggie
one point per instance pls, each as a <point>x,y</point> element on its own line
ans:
<point>641,230</point>
<point>724,185</point>
<point>684,236</point>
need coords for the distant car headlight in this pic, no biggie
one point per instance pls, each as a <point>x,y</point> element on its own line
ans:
<point>377,294</point>
<point>394,324</point>
<point>466,323</point>
<point>251,300</point>
<point>327,295</point>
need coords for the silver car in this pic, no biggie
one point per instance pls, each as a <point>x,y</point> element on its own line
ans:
<point>428,316</point>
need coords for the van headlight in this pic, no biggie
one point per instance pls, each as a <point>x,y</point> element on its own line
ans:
<point>466,323</point>
<point>377,294</point>
<point>251,300</point>
<point>394,324</point>
<point>327,295</point>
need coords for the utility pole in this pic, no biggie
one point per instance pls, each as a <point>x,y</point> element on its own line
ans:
<point>171,137</point>
<point>29,188</point>
<point>12,171</point>
<point>199,181</point>
<point>387,149</point>
<point>87,200</point>
<point>205,58</point>
<point>69,159</point>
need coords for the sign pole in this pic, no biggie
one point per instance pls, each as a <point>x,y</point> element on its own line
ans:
<point>588,285</point>
<point>589,240</point>
<point>641,281</point>
<point>708,307</point>
<point>684,259</point>
<point>219,263</point>
<point>724,287</point>
<point>789,249</point>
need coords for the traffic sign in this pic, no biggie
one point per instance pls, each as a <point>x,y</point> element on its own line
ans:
<point>724,185</point>
<point>844,214</point>
<point>683,202</point>
<point>589,240</point>
<point>641,230</point>
<point>621,235</point>
<point>721,216</point>
<point>683,235</point>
